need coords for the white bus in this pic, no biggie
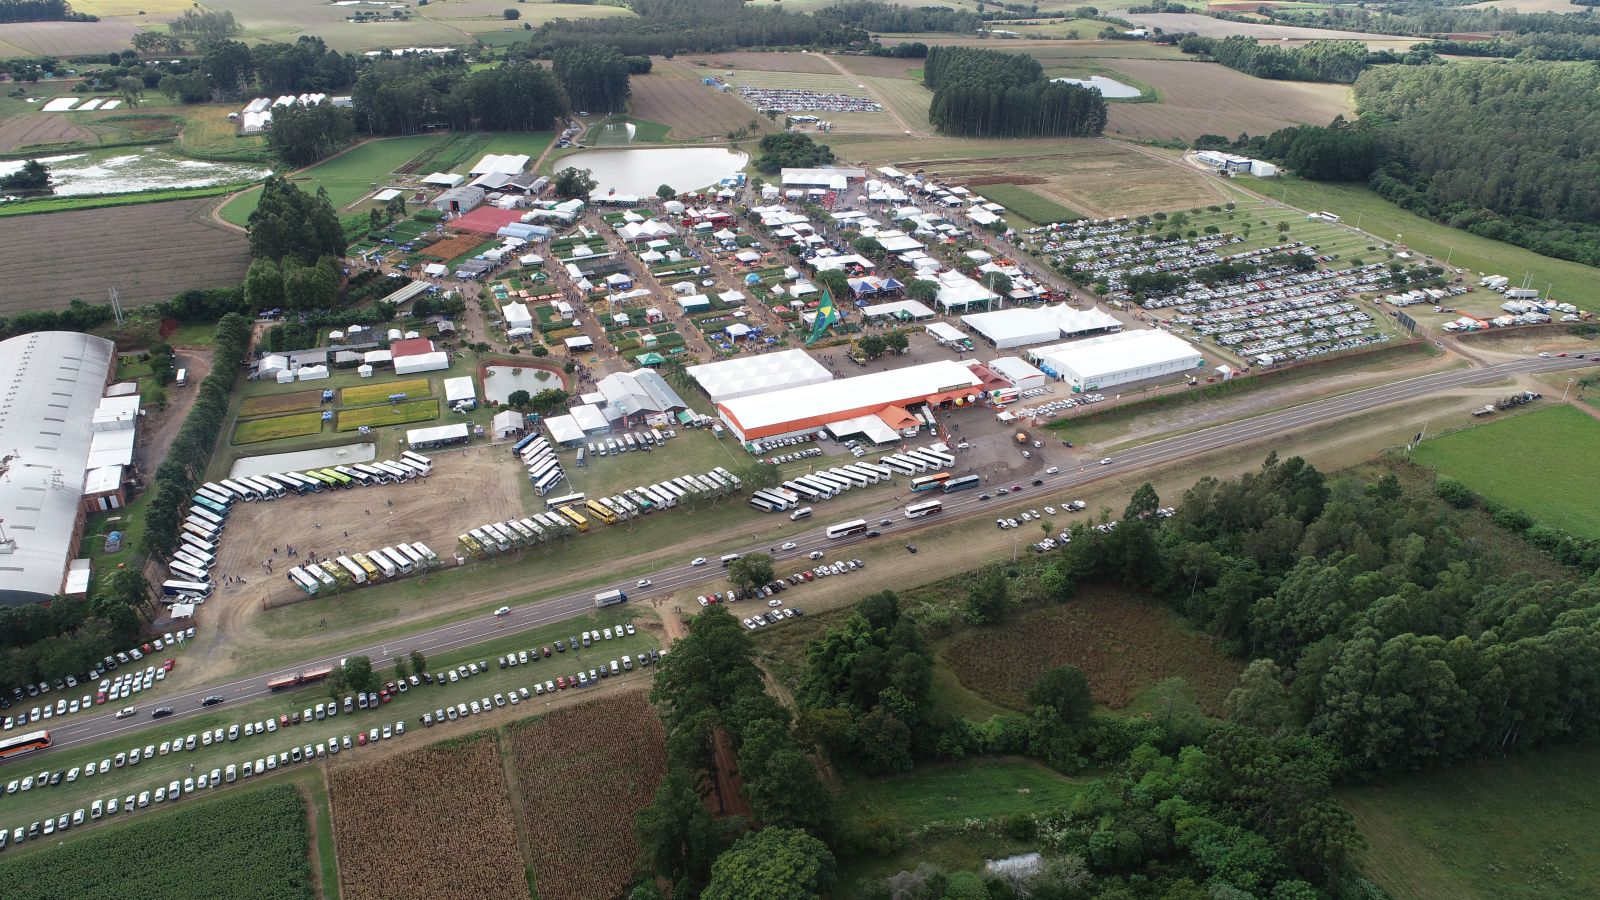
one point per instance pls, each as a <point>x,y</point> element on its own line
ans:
<point>673,489</point>
<point>846,529</point>
<point>427,554</point>
<point>776,499</point>
<point>204,558</point>
<point>538,471</point>
<point>269,489</point>
<point>179,588</point>
<point>223,497</point>
<point>200,529</point>
<point>801,491</point>
<point>243,490</point>
<point>418,561</point>
<point>357,574</point>
<point>193,562</point>
<point>663,498</point>
<point>191,539</point>
<point>400,560</point>
<point>871,475</point>
<point>762,503</point>
<point>900,466</point>
<point>206,515</point>
<point>317,572</point>
<point>418,460</point>
<point>552,522</point>
<point>564,500</point>
<point>379,476</point>
<point>308,485</point>
<point>936,460</point>
<point>549,482</point>
<point>825,488</point>
<point>925,508</point>
<point>859,479</point>
<point>221,491</point>
<point>300,579</point>
<point>396,473</point>
<point>186,571</point>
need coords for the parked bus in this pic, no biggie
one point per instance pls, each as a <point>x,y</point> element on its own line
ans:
<point>418,460</point>
<point>311,485</point>
<point>871,475</point>
<point>553,522</point>
<point>961,484</point>
<point>366,565</point>
<point>378,476</point>
<point>663,499</point>
<point>566,500</point>
<point>217,494</point>
<point>525,441</point>
<point>381,560</point>
<point>826,488</point>
<point>940,455</point>
<point>761,503</point>
<point>856,478</point>
<point>201,512</point>
<point>241,490</point>
<point>319,478</point>
<point>320,574</point>
<point>932,458</point>
<point>343,480</point>
<point>776,499</point>
<point>398,559</point>
<point>285,483</point>
<point>528,535</point>
<point>601,512</point>
<point>413,556</point>
<point>205,558</point>
<point>471,544</point>
<point>900,466</point>
<point>358,574</point>
<point>803,492</point>
<point>489,539</point>
<point>929,482</point>
<point>23,744</point>
<point>535,473</point>
<point>571,515</point>
<point>300,579</point>
<point>359,477</point>
<point>202,530</point>
<point>191,589</point>
<point>677,492</point>
<point>925,508</point>
<point>191,539</point>
<point>270,490</point>
<point>846,529</point>
<point>202,502</point>
<point>427,554</point>
<point>884,472</point>
<point>186,571</point>
<point>396,473</point>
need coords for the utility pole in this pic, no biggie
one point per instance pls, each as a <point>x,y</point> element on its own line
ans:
<point>116,305</point>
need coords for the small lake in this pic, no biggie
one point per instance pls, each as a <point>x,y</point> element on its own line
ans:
<point>640,171</point>
<point>301,460</point>
<point>1109,88</point>
<point>125,170</point>
<point>500,382</point>
<point>611,134</point>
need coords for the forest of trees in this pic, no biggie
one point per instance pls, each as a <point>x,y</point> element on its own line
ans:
<point>1336,61</point>
<point>987,93</point>
<point>595,77</point>
<point>288,222</point>
<point>41,11</point>
<point>230,69</point>
<point>300,135</point>
<point>669,27</point>
<point>791,150</point>
<point>896,19</point>
<point>406,95</point>
<point>1342,151</point>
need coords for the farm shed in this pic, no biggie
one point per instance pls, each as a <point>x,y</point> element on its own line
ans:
<point>459,199</point>
<point>443,179</point>
<point>438,436</point>
<point>564,430</point>
<point>1110,360</point>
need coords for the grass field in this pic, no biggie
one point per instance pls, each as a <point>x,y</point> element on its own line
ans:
<point>272,428</point>
<point>70,38</point>
<point>1123,643</point>
<point>207,847</point>
<point>672,93</point>
<point>1540,462</point>
<point>104,8</point>
<point>413,388</point>
<point>984,788</point>
<point>1025,203</point>
<point>275,404</point>
<point>1511,828</point>
<point>380,416</point>
<point>348,177</point>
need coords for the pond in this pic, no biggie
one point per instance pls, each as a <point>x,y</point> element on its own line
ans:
<point>1109,88</point>
<point>301,460</point>
<point>500,382</point>
<point>612,134</point>
<point>641,171</point>
<point>125,170</point>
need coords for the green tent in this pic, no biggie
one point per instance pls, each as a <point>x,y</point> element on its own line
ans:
<point>650,359</point>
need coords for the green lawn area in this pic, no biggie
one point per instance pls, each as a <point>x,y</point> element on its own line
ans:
<point>1360,206</point>
<point>199,335</point>
<point>272,428</point>
<point>1514,828</point>
<point>348,176</point>
<point>1025,203</point>
<point>397,414</point>
<point>1541,462</point>
<point>694,450</point>
<point>377,393</point>
<point>984,788</point>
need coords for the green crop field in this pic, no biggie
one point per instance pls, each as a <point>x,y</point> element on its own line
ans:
<point>413,388</point>
<point>398,414</point>
<point>272,428</point>
<point>1541,462</point>
<point>1025,203</point>
<point>271,404</point>
<point>973,789</point>
<point>348,176</point>
<point>249,844</point>
<point>1511,828</point>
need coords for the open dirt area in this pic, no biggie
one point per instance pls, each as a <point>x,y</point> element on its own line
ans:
<point>39,128</point>
<point>880,66</point>
<point>70,38</point>
<point>1206,26</point>
<point>147,251</point>
<point>673,95</point>
<point>749,60</point>
<point>1205,98</point>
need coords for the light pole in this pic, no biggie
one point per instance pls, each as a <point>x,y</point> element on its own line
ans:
<point>1567,390</point>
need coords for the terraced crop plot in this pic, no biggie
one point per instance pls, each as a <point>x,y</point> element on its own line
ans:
<point>1205,98</point>
<point>32,129</point>
<point>413,388</point>
<point>1122,643</point>
<point>51,258</point>
<point>379,416</point>
<point>394,844</point>
<point>272,428</point>
<point>276,404</point>
<point>605,759</point>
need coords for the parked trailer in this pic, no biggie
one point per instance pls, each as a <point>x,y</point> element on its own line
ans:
<point>302,580</point>
<point>176,587</point>
<point>309,676</point>
<point>358,574</point>
<point>610,598</point>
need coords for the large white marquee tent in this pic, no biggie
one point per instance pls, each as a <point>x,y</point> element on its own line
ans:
<point>1022,326</point>
<point>749,375</point>
<point>1099,363</point>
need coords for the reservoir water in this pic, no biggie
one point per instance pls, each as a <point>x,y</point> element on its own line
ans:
<point>641,170</point>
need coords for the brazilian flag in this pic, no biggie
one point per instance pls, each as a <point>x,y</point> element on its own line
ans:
<point>827,315</point>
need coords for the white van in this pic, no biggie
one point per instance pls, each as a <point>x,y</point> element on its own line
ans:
<point>803,512</point>
<point>183,377</point>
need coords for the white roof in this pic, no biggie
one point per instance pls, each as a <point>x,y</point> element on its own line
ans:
<point>1110,354</point>
<point>506,421</point>
<point>579,342</point>
<point>1021,326</point>
<point>798,408</point>
<point>639,391</point>
<point>437,433</point>
<point>916,309</point>
<point>105,478</point>
<point>501,163</point>
<point>435,269</point>
<point>897,241</point>
<point>563,429</point>
<point>820,177</point>
<point>746,375</point>
<point>384,196</point>
<point>422,362</point>
<point>111,448</point>
<point>872,426</point>
<point>516,315</point>
<point>77,578</point>
<point>945,331</point>
<point>1013,369</point>
<point>590,418</point>
<point>460,388</point>
<point>957,290</point>
<point>53,381</point>
<point>444,179</point>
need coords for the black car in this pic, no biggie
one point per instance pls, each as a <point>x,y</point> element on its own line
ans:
<point>55,778</point>
<point>874,533</point>
<point>983,496</point>
<point>161,712</point>
<point>1038,481</point>
<point>561,646</point>
<point>212,700</point>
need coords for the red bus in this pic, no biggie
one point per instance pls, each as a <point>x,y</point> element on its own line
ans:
<point>24,743</point>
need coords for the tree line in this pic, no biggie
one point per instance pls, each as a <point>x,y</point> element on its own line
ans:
<point>1337,61</point>
<point>230,70</point>
<point>896,19</point>
<point>987,93</point>
<point>791,150</point>
<point>595,77</point>
<point>670,27</point>
<point>41,11</point>
<point>407,95</point>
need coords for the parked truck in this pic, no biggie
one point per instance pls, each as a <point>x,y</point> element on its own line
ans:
<point>609,598</point>
<point>309,676</point>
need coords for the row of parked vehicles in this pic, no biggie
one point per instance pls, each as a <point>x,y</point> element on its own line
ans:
<point>66,706</point>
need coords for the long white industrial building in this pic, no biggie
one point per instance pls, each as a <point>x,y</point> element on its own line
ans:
<point>885,396</point>
<point>1098,363</point>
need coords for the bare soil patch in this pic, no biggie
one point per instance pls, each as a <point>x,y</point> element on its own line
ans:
<point>673,95</point>
<point>750,60</point>
<point>40,129</point>
<point>72,38</point>
<point>147,251</point>
<point>1205,98</point>
<point>879,66</point>
<point>451,247</point>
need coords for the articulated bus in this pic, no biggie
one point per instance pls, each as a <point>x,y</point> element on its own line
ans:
<point>929,482</point>
<point>565,500</point>
<point>846,529</point>
<point>961,484</point>
<point>925,508</point>
<point>178,588</point>
<point>572,517</point>
<point>24,744</point>
<point>601,512</point>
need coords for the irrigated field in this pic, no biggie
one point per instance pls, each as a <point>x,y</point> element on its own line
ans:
<point>272,428</point>
<point>430,823</point>
<point>599,763</point>
<point>1205,98</point>
<point>70,38</point>
<point>396,414</point>
<point>243,844</point>
<point>1540,462</point>
<point>1123,643</point>
<point>672,94</point>
<point>148,252</point>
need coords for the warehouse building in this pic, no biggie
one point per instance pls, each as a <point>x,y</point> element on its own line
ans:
<point>884,396</point>
<point>1099,363</point>
<point>1016,372</point>
<point>1025,326</point>
<point>746,376</point>
<point>51,422</point>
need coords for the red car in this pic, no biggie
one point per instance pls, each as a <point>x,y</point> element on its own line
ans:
<point>547,650</point>
<point>169,664</point>
<point>361,738</point>
<point>1016,487</point>
<point>283,721</point>
<point>145,648</point>
<point>385,696</point>
<point>99,697</point>
<point>561,682</point>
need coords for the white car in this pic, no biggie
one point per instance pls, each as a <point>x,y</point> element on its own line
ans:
<point>816,554</point>
<point>644,582</point>
<point>788,545</point>
<point>1106,461</point>
<point>698,561</point>
<point>1052,470</point>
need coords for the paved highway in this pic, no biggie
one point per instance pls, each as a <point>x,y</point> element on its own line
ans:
<point>483,628</point>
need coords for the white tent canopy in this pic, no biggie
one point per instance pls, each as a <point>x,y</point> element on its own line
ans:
<point>747,375</point>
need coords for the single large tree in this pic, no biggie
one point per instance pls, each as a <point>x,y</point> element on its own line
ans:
<point>1065,691</point>
<point>773,864</point>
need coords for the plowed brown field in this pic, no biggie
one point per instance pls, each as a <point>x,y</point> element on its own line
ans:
<point>35,128</point>
<point>1205,98</point>
<point>673,95</point>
